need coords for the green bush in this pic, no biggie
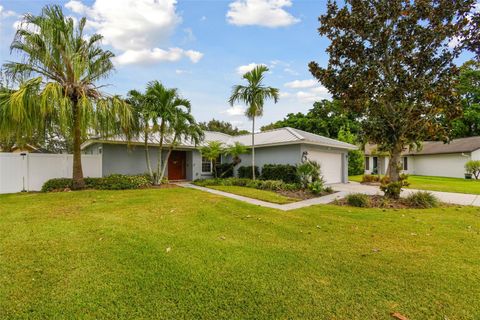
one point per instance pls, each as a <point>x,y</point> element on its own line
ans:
<point>111,182</point>
<point>225,170</point>
<point>358,200</point>
<point>243,182</point>
<point>422,199</point>
<point>57,184</point>
<point>316,187</point>
<point>309,172</point>
<point>392,190</point>
<point>246,172</point>
<point>367,178</point>
<point>285,172</point>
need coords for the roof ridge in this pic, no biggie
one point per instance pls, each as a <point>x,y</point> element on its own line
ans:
<point>295,133</point>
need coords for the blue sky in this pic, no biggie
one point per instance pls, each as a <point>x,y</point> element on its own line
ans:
<point>201,47</point>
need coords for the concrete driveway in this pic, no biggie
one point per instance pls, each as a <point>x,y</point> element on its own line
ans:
<point>447,197</point>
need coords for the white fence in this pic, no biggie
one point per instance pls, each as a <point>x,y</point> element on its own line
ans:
<point>29,172</point>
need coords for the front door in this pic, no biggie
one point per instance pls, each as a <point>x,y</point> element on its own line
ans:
<point>177,165</point>
<point>375,165</point>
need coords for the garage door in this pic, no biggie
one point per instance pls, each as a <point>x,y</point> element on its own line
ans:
<point>331,165</point>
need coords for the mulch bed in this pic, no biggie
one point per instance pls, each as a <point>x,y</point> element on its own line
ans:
<point>379,202</point>
<point>302,194</point>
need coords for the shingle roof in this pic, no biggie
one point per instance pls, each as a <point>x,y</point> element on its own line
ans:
<point>267,138</point>
<point>460,145</point>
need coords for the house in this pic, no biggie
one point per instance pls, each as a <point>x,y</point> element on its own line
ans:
<point>435,158</point>
<point>279,146</point>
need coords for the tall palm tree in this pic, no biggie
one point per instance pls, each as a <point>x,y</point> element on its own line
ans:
<point>164,104</point>
<point>182,127</point>
<point>62,67</point>
<point>254,95</point>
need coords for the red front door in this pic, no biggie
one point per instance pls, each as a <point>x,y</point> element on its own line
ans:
<point>177,165</point>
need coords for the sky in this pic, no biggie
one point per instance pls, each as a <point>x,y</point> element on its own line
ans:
<point>200,47</point>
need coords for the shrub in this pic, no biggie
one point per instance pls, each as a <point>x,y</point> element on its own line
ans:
<point>358,200</point>
<point>285,172</point>
<point>473,167</point>
<point>368,178</point>
<point>111,182</point>
<point>392,190</point>
<point>57,184</point>
<point>309,172</point>
<point>225,170</point>
<point>246,172</point>
<point>328,189</point>
<point>422,199</point>
<point>273,185</point>
<point>316,187</point>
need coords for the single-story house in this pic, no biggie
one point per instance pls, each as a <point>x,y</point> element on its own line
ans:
<point>435,158</point>
<point>279,146</point>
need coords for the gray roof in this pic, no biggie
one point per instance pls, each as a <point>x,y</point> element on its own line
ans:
<point>460,145</point>
<point>280,136</point>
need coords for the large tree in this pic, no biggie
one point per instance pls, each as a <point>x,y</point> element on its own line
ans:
<point>222,126</point>
<point>254,95</point>
<point>392,61</point>
<point>62,67</point>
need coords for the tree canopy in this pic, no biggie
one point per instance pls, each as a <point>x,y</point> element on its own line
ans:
<point>222,126</point>
<point>393,63</point>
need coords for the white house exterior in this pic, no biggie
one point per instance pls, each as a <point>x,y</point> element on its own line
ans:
<point>279,146</point>
<point>433,159</point>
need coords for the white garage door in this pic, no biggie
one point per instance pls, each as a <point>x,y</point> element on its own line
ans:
<point>331,165</point>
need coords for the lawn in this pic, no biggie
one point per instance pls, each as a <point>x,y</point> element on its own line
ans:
<point>263,195</point>
<point>186,254</point>
<point>457,185</point>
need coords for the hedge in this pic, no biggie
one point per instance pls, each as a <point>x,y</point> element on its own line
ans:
<point>111,182</point>
<point>273,185</point>
<point>284,172</point>
<point>246,172</point>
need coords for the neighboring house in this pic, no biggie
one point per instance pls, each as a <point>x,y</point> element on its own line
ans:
<point>433,159</point>
<point>26,149</point>
<point>280,146</point>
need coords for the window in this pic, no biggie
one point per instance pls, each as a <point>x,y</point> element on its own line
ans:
<point>375,165</point>
<point>206,165</point>
<point>405,163</point>
<point>367,163</point>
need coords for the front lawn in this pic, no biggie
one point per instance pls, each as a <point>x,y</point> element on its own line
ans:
<point>186,254</point>
<point>263,195</point>
<point>457,185</point>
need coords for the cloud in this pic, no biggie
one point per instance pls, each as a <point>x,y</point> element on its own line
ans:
<point>235,111</point>
<point>6,13</point>
<point>181,71</point>
<point>291,71</point>
<point>148,56</point>
<point>138,29</point>
<point>285,94</point>
<point>301,84</point>
<point>241,70</point>
<point>314,94</point>
<point>266,13</point>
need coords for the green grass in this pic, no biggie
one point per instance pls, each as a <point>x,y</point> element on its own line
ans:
<point>457,185</point>
<point>263,195</point>
<point>102,255</point>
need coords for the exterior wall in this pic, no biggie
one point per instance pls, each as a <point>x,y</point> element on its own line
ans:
<point>289,154</point>
<point>383,165</point>
<point>476,155</point>
<point>334,162</point>
<point>442,165</point>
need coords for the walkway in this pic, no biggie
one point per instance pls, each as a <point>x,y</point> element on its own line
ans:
<point>343,190</point>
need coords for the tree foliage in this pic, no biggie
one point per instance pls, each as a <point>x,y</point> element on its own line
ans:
<point>222,126</point>
<point>391,62</point>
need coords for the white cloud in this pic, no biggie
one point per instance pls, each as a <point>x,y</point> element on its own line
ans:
<point>235,111</point>
<point>285,94</point>
<point>241,70</point>
<point>181,71</point>
<point>312,95</point>
<point>138,29</point>
<point>301,84</point>
<point>148,56</point>
<point>291,71</point>
<point>6,13</point>
<point>266,13</point>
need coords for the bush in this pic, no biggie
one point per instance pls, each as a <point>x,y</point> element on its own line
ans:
<point>422,199</point>
<point>316,187</point>
<point>473,167</point>
<point>285,172</point>
<point>111,182</point>
<point>246,172</point>
<point>358,200</point>
<point>392,190</point>
<point>243,182</point>
<point>309,172</point>
<point>57,184</point>
<point>368,178</point>
<point>225,170</point>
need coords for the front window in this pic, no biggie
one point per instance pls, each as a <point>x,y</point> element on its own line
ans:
<point>405,163</point>
<point>206,165</point>
<point>367,163</point>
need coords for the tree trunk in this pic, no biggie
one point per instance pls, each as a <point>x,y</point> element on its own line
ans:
<point>394,166</point>
<point>253,148</point>
<point>160,160</point>
<point>166,159</point>
<point>78,183</point>
<point>147,154</point>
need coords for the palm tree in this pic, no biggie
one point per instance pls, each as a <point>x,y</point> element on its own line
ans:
<point>212,151</point>
<point>163,104</point>
<point>62,67</point>
<point>182,127</point>
<point>254,96</point>
<point>235,151</point>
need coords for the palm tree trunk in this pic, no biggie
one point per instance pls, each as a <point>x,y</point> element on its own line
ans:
<point>253,148</point>
<point>78,182</point>
<point>147,154</point>
<point>160,160</point>
<point>168,157</point>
